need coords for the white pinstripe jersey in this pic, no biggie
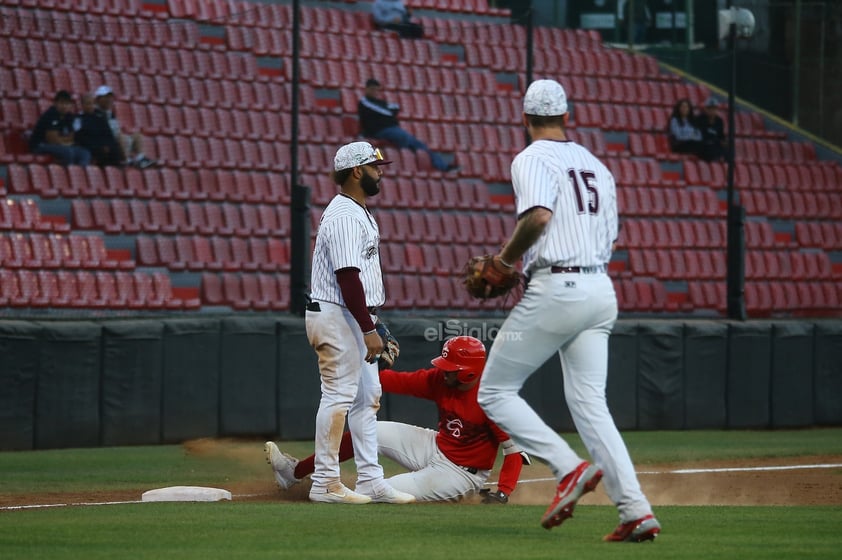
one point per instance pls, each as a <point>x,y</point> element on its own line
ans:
<point>348,236</point>
<point>567,179</point>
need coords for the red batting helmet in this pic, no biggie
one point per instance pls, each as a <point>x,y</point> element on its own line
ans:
<point>464,354</point>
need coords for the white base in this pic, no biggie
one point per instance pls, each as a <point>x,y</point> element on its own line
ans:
<point>186,494</point>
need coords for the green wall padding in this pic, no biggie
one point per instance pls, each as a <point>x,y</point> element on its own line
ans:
<point>828,373</point>
<point>67,409</point>
<point>749,373</point>
<point>622,374</point>
<point>132,378</point>
<point>544,392</point>
<point>705,374</point>
<point>792,375</point>
<point>248,376</point>
<point>298,382</point>
<point>190,407</point>
<point>20,342</point>
<point>660,391</point>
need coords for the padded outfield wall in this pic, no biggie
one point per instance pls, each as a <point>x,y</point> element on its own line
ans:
<point>150,381</point>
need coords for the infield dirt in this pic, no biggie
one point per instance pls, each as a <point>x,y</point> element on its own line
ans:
<point>756,487</point>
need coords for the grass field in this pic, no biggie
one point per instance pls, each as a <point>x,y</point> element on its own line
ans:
<point>261,525</point>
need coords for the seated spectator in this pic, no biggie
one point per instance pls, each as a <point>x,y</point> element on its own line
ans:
<point>94,133</point>
<point>378,119</point>
<point>712,128</point>
<point>394,15</point>
<point>132,144</point>
<point>684,137</point>
<point>53,133</point>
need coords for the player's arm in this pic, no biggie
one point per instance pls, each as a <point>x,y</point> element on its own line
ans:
<point>530,227</point>
<point>513,461</point>
<point>354,296</point>
<point>419,383</point>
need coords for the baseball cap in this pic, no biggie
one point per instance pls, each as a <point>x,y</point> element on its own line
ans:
<point>711,102</point>
<point>103,90</point>
<point>356,154</point>
<point>545,98</point>
<point>372,82</point>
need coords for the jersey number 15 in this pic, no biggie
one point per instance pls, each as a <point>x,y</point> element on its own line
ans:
<point>587,178</point>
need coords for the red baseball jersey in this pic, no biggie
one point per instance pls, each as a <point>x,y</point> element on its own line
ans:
<point>465,434</point>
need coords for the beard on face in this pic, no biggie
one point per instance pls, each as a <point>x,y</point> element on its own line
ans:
<point>369,184</point>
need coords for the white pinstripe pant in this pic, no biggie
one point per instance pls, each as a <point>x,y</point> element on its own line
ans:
<point>350,388</point>
<point>571,314</point>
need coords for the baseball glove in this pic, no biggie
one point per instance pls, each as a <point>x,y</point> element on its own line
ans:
<point>391,348</point>
<point>487,277</point>
<point>489,497</point>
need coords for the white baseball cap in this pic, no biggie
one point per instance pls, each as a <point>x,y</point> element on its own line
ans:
<point>356,154</point>
<point>103,90</point>
<point>545,98</point>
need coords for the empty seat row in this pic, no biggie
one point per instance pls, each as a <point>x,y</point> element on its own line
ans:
<point>640,172</point>
<point>55,250</point>
<point>792,205</point>
<point>90,289</point>
<point>647,233</point>
<point>443,227</point>
<point>627,118</point>
<point>235,124</point>
<point>246,291</point>
<point>408,291</point>
<point>824,235</point>
<point>25,215</point>
<point>643,295</point>
<point>53,180</point>
<point>469,31</point>
<point>805,298</point>
<point>678,264</point>
<point>216,153</point>
<point>204,218</point>
<point>475,7</point>
<point>501,138</point>
<point>149,60</point>
<point>213,253</point>
<point>788,265</point>
<point>804,176</point>
<point>33,26</point>
<point>652,201</point>
<point>428,258</point>
<point>773,151</point>
<point>610,63</point>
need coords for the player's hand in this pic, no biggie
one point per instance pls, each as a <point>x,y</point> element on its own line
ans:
<point>374,346</point>
<point>489,497</point>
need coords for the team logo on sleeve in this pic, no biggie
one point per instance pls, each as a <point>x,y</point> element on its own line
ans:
<point>371,252</point>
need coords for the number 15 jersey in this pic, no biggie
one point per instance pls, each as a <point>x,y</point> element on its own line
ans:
<point>568,180</point>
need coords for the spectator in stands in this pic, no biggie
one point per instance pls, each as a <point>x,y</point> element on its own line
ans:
<point>712,128</point>
<point>378,119</point>
<point>132,144</point>
<point>94,133</point>
<point>53,133</point>
<point>684,137</point>
<point>394,15</point>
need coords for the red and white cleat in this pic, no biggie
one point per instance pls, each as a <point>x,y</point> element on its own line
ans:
<point>581,480</point>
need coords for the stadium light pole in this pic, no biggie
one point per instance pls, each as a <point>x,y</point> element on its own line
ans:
<point>739,23</point>
<point>299,266</point>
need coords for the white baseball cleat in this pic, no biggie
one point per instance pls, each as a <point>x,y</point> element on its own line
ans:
<point>337,494</point>
<point>384,493</point>
<point>283,465</point>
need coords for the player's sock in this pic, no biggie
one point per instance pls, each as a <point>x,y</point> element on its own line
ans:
<point>307,465</point>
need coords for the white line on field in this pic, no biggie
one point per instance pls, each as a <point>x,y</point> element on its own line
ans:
<point>716,470</point>
<point>524,481</point>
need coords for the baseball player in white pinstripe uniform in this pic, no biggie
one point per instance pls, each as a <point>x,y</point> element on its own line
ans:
<point>567,224</point>
<point>346,290</point>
